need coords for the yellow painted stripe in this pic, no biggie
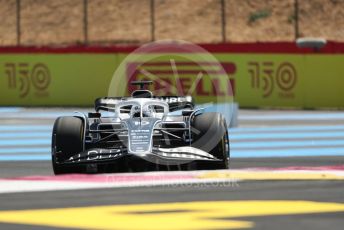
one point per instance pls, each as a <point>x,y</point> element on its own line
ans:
<point>271,175</point>
<point>181,216</point>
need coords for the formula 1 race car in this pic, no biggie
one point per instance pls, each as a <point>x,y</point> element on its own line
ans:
<point>140,133</point>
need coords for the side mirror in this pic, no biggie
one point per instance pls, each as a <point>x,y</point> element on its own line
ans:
<point>94,115</point>
<point>187,112</point>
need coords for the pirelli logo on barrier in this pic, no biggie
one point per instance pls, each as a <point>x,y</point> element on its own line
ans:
<point>186,78</point>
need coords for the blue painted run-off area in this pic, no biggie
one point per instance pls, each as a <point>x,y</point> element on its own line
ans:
<point>32,143</point>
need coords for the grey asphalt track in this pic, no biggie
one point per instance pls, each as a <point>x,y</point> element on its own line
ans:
<point>322,191</point>
<point>317,190</point>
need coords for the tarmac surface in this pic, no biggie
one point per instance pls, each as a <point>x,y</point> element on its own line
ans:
<point>287,171</point>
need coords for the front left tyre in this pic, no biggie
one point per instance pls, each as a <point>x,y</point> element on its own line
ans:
<point>67,140</point>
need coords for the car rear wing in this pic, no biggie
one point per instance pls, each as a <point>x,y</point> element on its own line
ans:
<point>174,102</point>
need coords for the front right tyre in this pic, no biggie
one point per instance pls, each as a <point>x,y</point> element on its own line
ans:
<point>210,134</point>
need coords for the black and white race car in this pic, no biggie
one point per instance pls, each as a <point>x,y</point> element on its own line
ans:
<point>139,133</point>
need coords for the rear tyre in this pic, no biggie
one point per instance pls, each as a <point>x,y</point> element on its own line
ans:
<point>210,134</point>
<point>67,140</point>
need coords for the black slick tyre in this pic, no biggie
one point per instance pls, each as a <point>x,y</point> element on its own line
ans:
<point>210,134</point>
<point>67,140</point>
